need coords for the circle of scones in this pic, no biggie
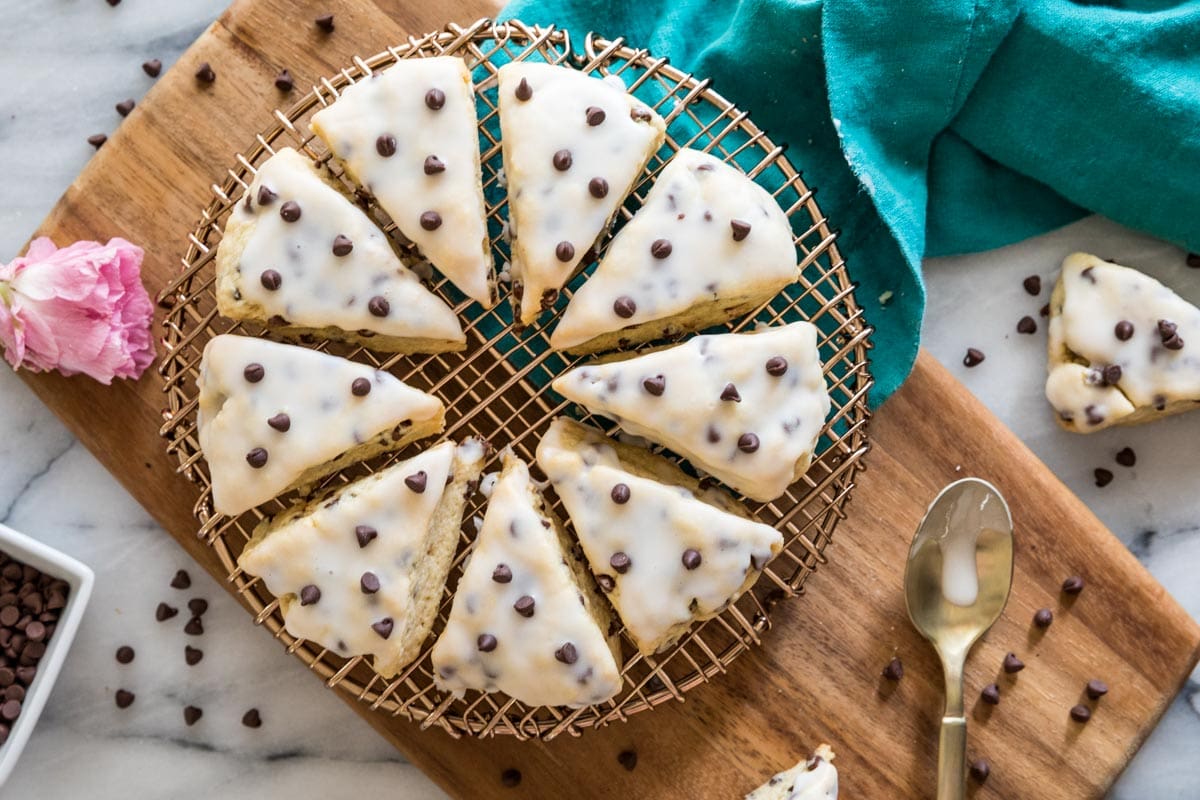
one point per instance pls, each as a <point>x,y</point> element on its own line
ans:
<point>496,386</point>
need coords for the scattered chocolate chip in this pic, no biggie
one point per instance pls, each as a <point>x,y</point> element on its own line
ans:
<point>96,140</point>
<point>748,443</point>
<point>192,655</point>
<point>385,145</point>
<point>1073,585</point>
<point>1167,331</point>
<point>383,627</point>
<point>153,67</point>
<point>1026,325</point>
<point>162,613</point>
<point>730,393</point>
<point>379,306</point>
<point>1012,664</point>
<point>124,654</point>
<point>1081,713</point>
<point>776,366</point>
<point>562,160</point>
<point>624,306</point>
<point>369,583</point>
<point>620,562</point>
<point>691,558</point>
<point>431,220</point>
<point>325,22</point>
<point>364,534</point>
<point>660,248</point>
<point>271,280</point>
<point>290,211</point>
<point>598,187</point>
<point>283,81</point>
<point>194,627</point>
<point>1111,374</point>
<point>257,458</point>
<point>973,358</point>
<point>642,114</point>
<point>512,777</point>
<point>1033,285</point>
<point>740,228</point>
<point>1123,330</point>
<point>252,719</point>
<point>980,770</point>
<point>524,606</point>
<point>486,643</point>
<point>124,107</point>
<point>1126,457</point>
<point>502,574</point>
<point>192,715</point>
<point>1096,689</point>
<point>435,99</point>
<point>1103,476</point>
<point>620,494</point>
<point>124,698</point>
<point>342,246</point>
<point>360,387</point>
<point>894,671</point>
<point>606,583</point>
<point>417,481</point>
<point>627,759</point>
<point>595,116</point>
<point>205,73</point>
<point>567,654</point>
<point>1093,416</point>
<point>655,385</point>
<point>181,580</point>
<point>309,595</point>
<point>991,694</point>
<point>434,165</point>
<point>1043,618</point>
<point>523,91</point>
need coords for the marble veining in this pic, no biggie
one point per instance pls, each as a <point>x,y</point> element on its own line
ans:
<point>69,62</point>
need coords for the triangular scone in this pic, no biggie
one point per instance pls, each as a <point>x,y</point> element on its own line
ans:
<point>667,552</point>
<point>275,417</point>
<point>813,779</point>
<point>745,407</point>
<point>298,256</point>
<point>1123,348</point>
<point>408,136</point>
<point>526,619</point>
<point>362,571</point>
<point>574,146</point>
<point>709,244</point>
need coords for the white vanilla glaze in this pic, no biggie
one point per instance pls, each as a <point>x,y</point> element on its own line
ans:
<point>523,663</point>
<point>393,103</point>
<point>318,288</point>
<point>314,390</point>
<point>813,779</point>
<point>654,528</point>
<point>692,206</point>
<point>322,549</point>
<point>1096,296</point>
<point>785,412</point>
<point>548,205</point>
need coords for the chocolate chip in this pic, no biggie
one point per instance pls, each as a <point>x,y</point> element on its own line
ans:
<point>417,481</point>
<point>624,306</point>
<point>512,777</point>
<point>1094,417</point>
<point>486,643</point>
<point>309,595</point>
<point>1012,664</point>
<point>562,160</point>
<point>1170,338</point>
<point>360,387</point>
<point>502,574</point>
<point>280,422</point>
<point>655,385</point>
<point>627,759</point>
<point>1033,285</point>
<point>1073,585</point>
<point>1096,689</point>
<point>192,715</point>
<point>379,306</point>
<point>1103,476</point>
<point>1112,374</point>
<point>124,107</point>
<point>383,627</point>
<point>660,248</point>
<point>524,605</point>
<point>642,114</point>
<point>194,627</point>
<point>991,694</point>
<point>385,145</point>
<point>181,580</point>
<point>162,613</point>
<point>776,366</point>
<point>205,73</point>
<point>435,99</point>
<point>271,280</point>
<point>606,583</point>
<point>1043,618</point>
<point>431,220</point>
<point>748,443</point>
<point>973,358</point>
<point>595,116</point>
<point>691,558</point>
<point>434,165</point>
<point>325,22</point>
<point>342,246</point>
<point>620,562</point>
<point>1026,325</point>
<point>124,655</point>
<point>740,228</point>
<point>1081,713</point>
<point>124,698</point>
<point>364,534</point>
<point>567,654</point>
<point>252,719</point>
<point>192,655</point>
<point>152,67</point>
<point>283,81</point>
<point>369,583</point>
<point>1126,457</point>
<point>980,770</point>
<point>257,458</point>
<point>620,494</point>
<point>96,140</point>
<point>730,392</point>
<point>290,211</point>
<point>598,187</point>
<point>1124,330</point>
<point>894,671</point>
<point>1044,310</point>
<point>523,91</point>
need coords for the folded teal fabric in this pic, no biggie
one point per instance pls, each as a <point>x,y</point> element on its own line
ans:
<point>933,127</point>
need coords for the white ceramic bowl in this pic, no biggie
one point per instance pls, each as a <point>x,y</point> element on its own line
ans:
<point>80,578</point>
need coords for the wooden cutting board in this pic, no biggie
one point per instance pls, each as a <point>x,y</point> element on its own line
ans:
<point>817,679</point>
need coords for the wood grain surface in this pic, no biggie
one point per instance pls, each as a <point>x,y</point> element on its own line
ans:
<point>817,678</point>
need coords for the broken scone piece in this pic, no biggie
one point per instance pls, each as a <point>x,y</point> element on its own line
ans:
<point>1123,348</point>
<point>709,244</point>
<point>526,620</point>
<point>299,257</point>
<point>408,136</point>
<point>574,145</point>
<point>361,572</point>
<point>666,552</point>
<point>275,417</point>
<point>813,779</point>
<point>745,407</point>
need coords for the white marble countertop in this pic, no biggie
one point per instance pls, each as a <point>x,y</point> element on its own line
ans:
<point>69,62</point>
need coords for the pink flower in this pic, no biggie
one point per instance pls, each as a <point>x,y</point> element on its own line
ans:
<point>79,309</point>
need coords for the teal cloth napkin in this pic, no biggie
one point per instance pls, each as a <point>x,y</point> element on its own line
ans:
<point>933,127</point>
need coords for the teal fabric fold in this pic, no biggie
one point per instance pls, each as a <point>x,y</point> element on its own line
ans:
<point>932,127</point>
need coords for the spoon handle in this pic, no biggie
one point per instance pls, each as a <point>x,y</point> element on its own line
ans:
<point>952,758</point>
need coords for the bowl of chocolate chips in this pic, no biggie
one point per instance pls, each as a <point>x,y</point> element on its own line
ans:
<point>42,597</point>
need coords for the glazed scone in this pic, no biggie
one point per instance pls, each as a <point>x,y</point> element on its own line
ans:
<point>299,257</point>
<point>361,571</point>
<point>813,779</point>
<point>745,407</point>
<point>709,244</point>
<point>1123,349</point>
<point>274,417</point>
<point>408,136</point>
<point>526,619</point>
<point>667,552</point>
<point>574,145</point>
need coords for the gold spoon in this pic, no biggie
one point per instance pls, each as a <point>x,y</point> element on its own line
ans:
<point>956,583</point>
